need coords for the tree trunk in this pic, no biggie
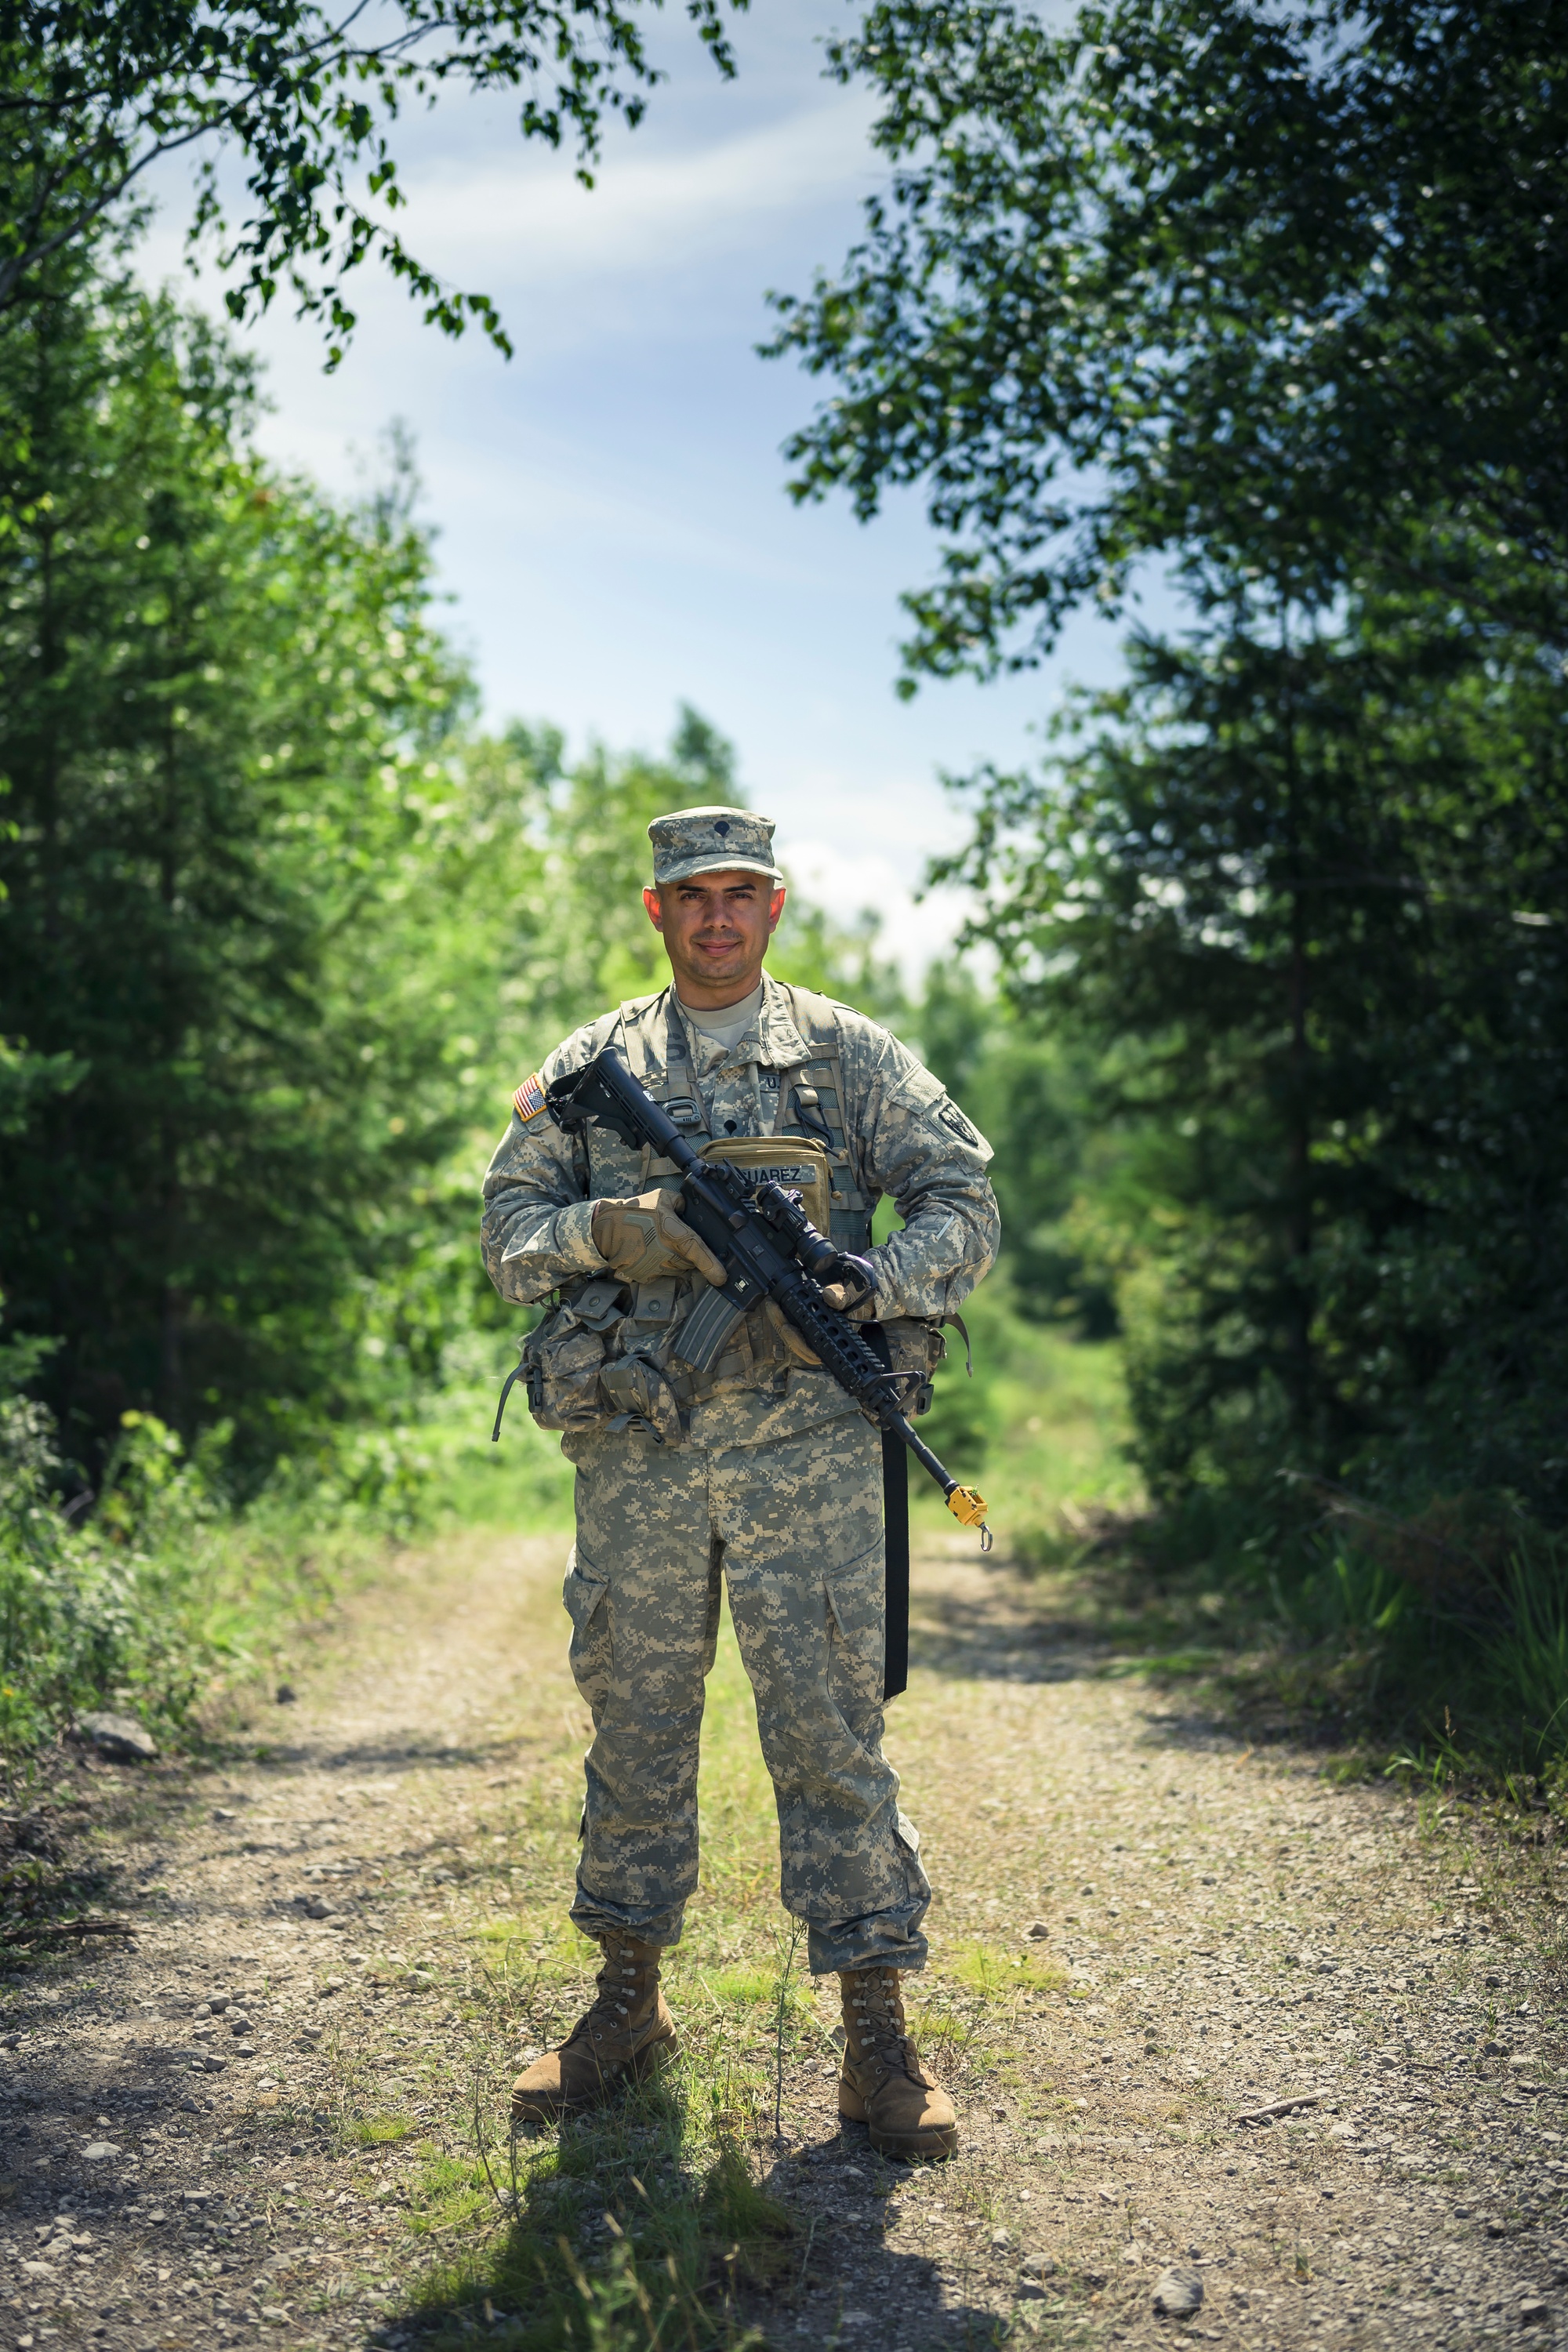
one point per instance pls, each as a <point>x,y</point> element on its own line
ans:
<point>1299,1101</point>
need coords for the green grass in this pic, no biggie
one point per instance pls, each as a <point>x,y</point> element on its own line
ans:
<point>987,1971</point>
<point>1350,1637</point>
<point>521,1481</point>
<point>641,2225</point>
<point>740,1986</point>
<point>1286,1628</point>
<point>379,2131</point>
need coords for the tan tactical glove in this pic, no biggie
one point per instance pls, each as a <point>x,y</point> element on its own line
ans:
<point>645,1237</point>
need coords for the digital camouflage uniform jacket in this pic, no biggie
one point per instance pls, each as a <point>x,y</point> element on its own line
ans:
<point>806,1065</point>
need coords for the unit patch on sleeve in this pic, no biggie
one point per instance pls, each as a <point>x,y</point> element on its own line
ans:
<point>529,1099</point>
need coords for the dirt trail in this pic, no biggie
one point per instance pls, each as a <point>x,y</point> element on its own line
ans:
<point>1142,1930</point>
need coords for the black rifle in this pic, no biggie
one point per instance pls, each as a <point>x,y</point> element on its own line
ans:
<point>769,1248</point>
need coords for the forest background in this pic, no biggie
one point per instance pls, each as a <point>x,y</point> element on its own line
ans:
<point>1271,1040</point>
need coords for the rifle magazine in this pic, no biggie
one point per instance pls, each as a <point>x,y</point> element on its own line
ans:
<point>702,1337</point>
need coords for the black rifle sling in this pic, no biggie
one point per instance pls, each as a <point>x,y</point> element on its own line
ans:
<point>895,1541</point>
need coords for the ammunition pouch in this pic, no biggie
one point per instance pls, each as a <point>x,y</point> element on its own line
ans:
<point>563,1357</point>
<point>640,1398</point>
<point>573,1380</point>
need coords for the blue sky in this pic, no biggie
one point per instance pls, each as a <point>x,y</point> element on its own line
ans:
<point>613,524</point>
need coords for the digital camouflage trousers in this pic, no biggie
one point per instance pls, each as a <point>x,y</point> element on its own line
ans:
<point>793,1528</point>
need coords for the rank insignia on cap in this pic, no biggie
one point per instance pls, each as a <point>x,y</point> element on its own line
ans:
<point>529,1099</point>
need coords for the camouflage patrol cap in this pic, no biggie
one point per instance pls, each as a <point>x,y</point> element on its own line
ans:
<point>712,841</point>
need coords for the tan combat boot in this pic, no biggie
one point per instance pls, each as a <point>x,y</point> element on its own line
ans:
<point>626,2033</point>
<point>883,2082</point>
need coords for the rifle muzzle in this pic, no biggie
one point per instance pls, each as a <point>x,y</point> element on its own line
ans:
<point>968,1507</point>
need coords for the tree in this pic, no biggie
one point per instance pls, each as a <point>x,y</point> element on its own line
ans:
<point>1306,897</point>
<point>1275,297</point>
<point>94,91</point>
<point>224,751</point>
<point>1270,293</point>
<point>1034,1098</point>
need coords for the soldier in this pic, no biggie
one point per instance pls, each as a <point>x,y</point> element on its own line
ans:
<point>761,1470</point>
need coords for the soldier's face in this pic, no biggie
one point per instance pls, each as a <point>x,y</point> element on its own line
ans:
<point>716,929</point>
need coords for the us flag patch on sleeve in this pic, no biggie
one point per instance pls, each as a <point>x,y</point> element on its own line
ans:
<point>529,1099</point>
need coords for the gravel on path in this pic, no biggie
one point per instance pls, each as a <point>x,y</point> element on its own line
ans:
<point>1242,2054</point>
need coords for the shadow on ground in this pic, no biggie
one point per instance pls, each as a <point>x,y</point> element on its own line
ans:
<point>662,2221</point>
<point>1209,1686</point>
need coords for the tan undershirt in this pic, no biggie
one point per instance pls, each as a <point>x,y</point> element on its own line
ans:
<point>725,1023</point>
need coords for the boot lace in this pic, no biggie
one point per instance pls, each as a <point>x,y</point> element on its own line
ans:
<point>610,2011</point>
<point>879,2011</point>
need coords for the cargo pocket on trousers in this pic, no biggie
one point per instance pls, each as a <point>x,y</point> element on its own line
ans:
<point>857,1617</point>
<point>586,1596</point>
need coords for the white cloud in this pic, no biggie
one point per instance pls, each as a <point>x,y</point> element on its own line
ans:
<point>632,255</point>
<point>518,220</point>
